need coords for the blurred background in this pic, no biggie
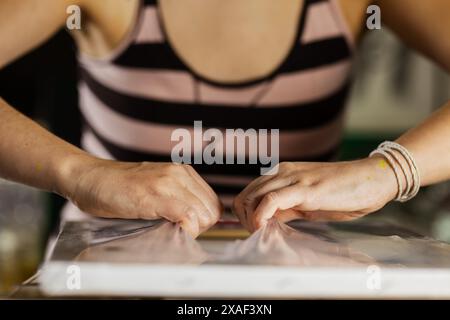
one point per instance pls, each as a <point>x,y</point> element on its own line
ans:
<point>394,89</point>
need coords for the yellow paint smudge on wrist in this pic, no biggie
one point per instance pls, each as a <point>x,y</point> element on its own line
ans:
<point>382,164</point>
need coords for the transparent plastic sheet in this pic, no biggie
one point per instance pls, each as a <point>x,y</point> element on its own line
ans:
<point>385,243</point>
<point>280,244</point>
<point>275,244</point>
<point>142,258</point>
<point>402,252</point>
<point>298,244</point>
<point>165,243</point>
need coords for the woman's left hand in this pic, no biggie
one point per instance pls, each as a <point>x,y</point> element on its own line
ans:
<point>317,191</point>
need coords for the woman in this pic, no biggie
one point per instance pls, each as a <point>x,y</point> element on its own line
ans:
<point>148,68</point>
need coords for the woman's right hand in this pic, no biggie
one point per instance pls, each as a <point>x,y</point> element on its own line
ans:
<point>127,190</point>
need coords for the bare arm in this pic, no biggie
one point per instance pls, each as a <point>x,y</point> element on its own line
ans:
<point>26,24</point>
<point>344,190</point>
<point>423,25</point>
<point>347,190</point>
<point>30,154</point>
<point>430,145</point>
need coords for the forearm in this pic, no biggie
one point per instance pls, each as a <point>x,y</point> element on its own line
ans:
<point>31,155</point>
<point>429,143</point>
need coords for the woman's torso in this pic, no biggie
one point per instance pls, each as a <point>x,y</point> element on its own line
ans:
<point>213,61</point>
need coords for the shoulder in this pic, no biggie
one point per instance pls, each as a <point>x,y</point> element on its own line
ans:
<point>354,12</point>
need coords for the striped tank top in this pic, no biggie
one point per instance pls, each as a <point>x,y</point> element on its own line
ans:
<point>133,100</point>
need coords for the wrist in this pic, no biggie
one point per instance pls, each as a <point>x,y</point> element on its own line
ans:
<point>404,166</point>
<point>70,169</point>
<point>382,172</point>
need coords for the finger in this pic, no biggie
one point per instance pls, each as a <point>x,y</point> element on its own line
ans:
<point>317,215</point>
<point>239,201</point>
<point>282,199</point>
<point>191,201</point>
<point>203,214</point>
<point>190,223</point>
<point>257,182</point>
<point>240,212</point>
<point>255,197</point>
<point>210,208</point>
<point>187,209</point>
<point>187,190</point>
<point>179,212</point>
<point>288,215</point>
<point>202,183</point>
<point>331,215</point>
<point>206,194</point>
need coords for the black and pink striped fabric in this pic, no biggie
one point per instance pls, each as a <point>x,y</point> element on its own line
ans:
<point>133,100</point>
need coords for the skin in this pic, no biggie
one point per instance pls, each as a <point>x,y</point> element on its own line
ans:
<point>318,191</point>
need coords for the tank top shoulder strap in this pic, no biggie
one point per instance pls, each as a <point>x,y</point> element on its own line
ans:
<point>150,2</point>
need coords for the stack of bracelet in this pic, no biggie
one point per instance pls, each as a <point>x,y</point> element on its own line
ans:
<point>388,150</point>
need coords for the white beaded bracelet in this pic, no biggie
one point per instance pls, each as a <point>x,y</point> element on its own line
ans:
<point>406,171</point>
<point>387,150</point>
<point>394,168</point>
<point>412,165</point>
